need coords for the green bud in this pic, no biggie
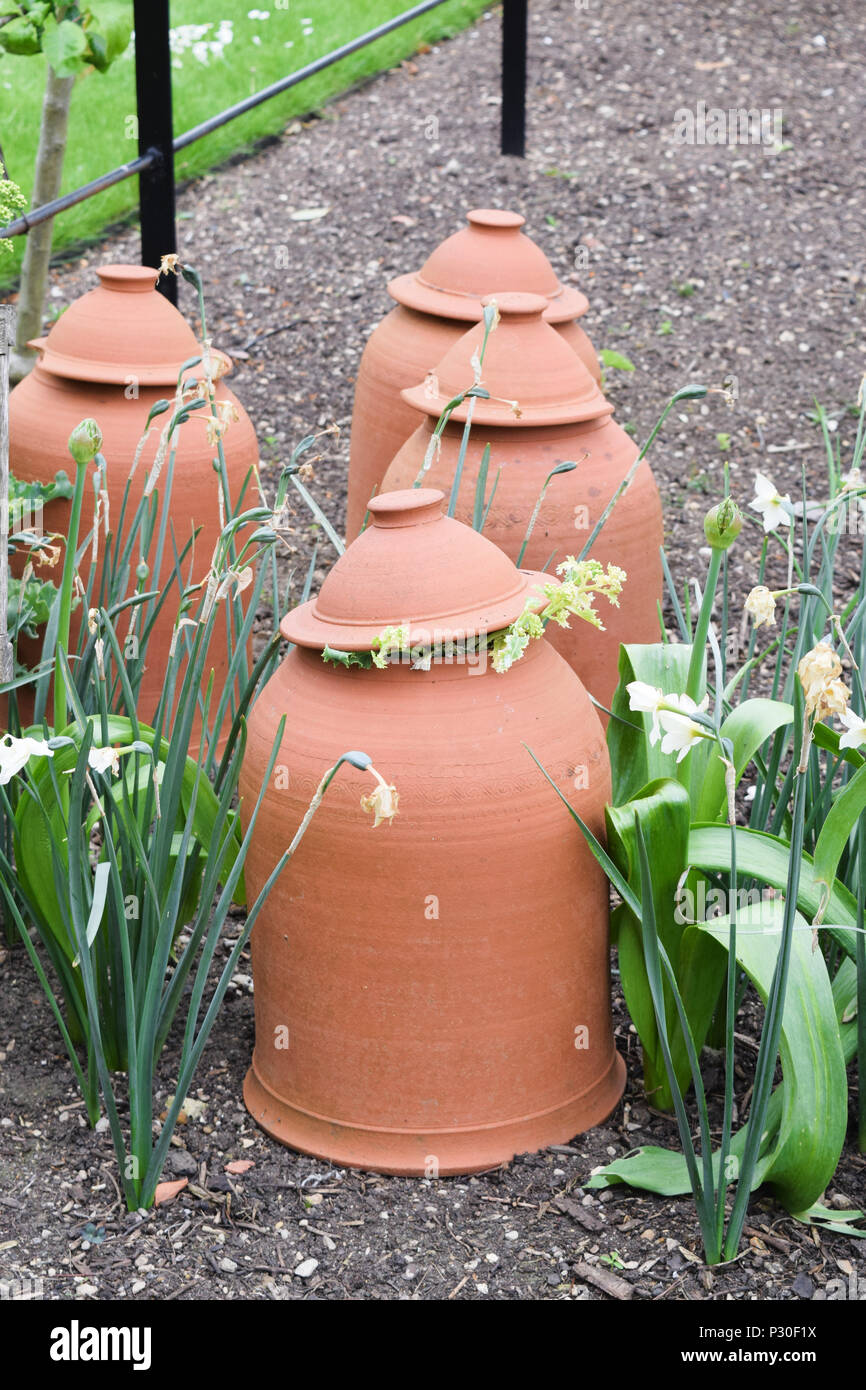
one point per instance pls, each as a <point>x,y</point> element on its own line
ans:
<point>85,441</point>
<point>722,524</point>
<point>142,571</point>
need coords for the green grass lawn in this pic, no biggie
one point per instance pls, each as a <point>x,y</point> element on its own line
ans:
<point>250,51</point>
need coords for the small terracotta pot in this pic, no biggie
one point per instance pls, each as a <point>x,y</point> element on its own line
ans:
<point>563,417</point>
<point>431,997</point>
<point>114,353</point>
<point>434,307</point>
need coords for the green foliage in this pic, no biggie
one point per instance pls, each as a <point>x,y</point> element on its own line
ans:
<point>683,735</point>
<point>101,134</point>
<point>12,201</point>
<point>617,360</point>
<point>29,606</point>
<point>72,37</point>
<point>797,1156</point>
<point>116,834</point>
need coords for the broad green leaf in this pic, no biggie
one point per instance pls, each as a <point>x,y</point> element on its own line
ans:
<point>807,1118</point>
<point>112,26</point>
<point>634,762</point>
<point>64,45</point>
<point>765,858</point>
<point>843,815</point>
<point>828,739</point>
<point>33,837</point>
<point>838,1222</point>
<point>747,726</point>
<point>663,811</point>
<point>21,37</point>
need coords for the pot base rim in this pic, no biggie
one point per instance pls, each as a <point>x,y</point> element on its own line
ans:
<point>406,1152</point>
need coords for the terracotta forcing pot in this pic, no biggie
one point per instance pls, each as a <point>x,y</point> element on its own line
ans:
<point>432,997</point>
<point>563,417</point>
<point>434,307</point>
<point>114,353</point>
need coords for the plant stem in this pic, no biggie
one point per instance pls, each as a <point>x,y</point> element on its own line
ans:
<point>772,1028</point>
<point>860,958</point>
<point>60,693</point>
<point>699,641</point>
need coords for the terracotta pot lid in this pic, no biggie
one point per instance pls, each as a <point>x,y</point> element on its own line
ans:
<point>121,329</point>
<point>416,568</point>
<point>525,361</point>
<point>489,256</point>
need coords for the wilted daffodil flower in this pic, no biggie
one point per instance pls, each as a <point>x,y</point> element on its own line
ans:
<point>382,801</point>
<point>85,441</point>
<point>819,672</point>
<point>761,603</point>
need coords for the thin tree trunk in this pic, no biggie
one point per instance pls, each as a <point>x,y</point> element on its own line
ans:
<point>7,330</point>
<point>46,187</point>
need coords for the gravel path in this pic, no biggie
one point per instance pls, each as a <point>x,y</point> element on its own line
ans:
<point>700,262</point>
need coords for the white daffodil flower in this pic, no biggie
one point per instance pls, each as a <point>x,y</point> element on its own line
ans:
<point>767,500</point>
<point>680,732</point>
<point>645,699</point>
<point>855,726</point>
<point>15,753</point>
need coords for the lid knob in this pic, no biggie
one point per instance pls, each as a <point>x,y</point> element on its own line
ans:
<point>495,218</point>
<point>128,279</point>
<point>411,506</point>
<point>514,305</point>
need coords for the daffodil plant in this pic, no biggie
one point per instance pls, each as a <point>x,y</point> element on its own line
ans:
<point>739,776</point>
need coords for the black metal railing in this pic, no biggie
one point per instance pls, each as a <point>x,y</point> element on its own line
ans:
<point>157,143</point>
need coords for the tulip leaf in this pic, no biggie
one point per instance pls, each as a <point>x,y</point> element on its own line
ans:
<point>634,761</point>
<point>842,817</point>
<point>748,726</point>
<point>765,858</point>
<point>807,1117</point>
<point>662,808</point>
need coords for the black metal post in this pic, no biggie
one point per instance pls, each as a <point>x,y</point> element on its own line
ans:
<point>514,25</point>
<point>155,135</point>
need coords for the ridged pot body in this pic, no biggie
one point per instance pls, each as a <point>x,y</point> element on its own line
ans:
<point>432,996</point>
<point>43,411</point>
<point>574,501</point>
<point>400,352</point>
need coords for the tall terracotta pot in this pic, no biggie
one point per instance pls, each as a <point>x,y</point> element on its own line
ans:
<point>114,353</point>
<point>434,307</point>
<point>562,417</point>
<point>432,998</point>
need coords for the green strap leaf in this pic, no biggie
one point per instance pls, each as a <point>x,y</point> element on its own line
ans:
<point>807,1118</point>
<point>765,858</point>
<point>841,819</point>
<point>634,761</point>
<point>747,726</point>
